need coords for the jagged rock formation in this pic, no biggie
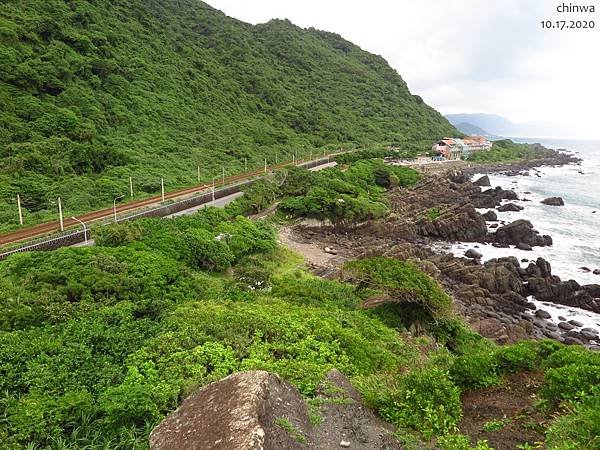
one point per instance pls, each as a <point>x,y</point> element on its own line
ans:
<point>492,198</point>
<point>259,410</point>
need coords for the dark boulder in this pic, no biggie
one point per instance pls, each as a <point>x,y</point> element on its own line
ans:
<point>483,181</point>
<point>490,216</point>
<point>553,201</point>
<point>521,231</point>
<point>566,326</point>
<point>543,314</point>
<point>473,254</point>
<point>510,207</point>
<point>523,246</point>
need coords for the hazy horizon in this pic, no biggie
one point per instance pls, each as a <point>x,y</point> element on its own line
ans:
<point>465,57</point>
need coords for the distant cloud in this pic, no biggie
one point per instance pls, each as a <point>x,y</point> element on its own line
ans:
<point>465,55</point>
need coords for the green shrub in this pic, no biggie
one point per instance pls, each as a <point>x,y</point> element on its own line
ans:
<point>570,382</point>
<point>208,252</point>
<point>477,370</point>
<point>427,401</point>
<point>579,428</point>
<point>572,354</point>
<point>416,293</point>
<point>457,336</point>
<point>518,357</point>
<point>460,442</point>
<point>118,235</point>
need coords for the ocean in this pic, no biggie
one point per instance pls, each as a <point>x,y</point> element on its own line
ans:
<point>575,227</point>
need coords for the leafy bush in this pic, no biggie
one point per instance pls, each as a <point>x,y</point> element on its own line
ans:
<point>475,371</point>
<point>427,401</point>
<point>518,357</point>
<point>419,295</point>
<point>118,235</point>
<point>208,252</point>
<point>460,442</point>
<point>570,382</point>
<point>579,428</point>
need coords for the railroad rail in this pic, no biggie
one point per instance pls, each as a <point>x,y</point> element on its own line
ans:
<point>230,185</point>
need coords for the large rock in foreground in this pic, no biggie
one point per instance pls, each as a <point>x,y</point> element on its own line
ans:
<point>258,410</point>
<point>238,412</point>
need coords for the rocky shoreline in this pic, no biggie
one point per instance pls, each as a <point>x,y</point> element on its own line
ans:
<point>492,296</point>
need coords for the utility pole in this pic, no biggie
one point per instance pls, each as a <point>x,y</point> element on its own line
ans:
<point>20,210</point>
<point>198,174</point>
<point>60,215</point>
<point>131,186</point>
<point>84,229</point>
<point>115,206</point>
<point>162,188</point>
<point>223,167</point>
<point>213,192</point>
<point>265,165</point>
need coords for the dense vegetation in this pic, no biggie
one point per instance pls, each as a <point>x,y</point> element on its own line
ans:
<point>92,93</point>
<point>507,150</point>
<point>98,344</point>
<point>343,198</point>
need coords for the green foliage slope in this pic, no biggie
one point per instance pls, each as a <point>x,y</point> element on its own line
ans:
<point>98,344</point>
<point>94,92</point>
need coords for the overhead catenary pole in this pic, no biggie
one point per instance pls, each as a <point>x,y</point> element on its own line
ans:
<point>60,215</point>
<point>245,164</point>
<point>131,186</point>
<point>265,165</point>
<point>223,167</point>
<point>20,210</point>
<point>162,189</point>
<point>198,174</point>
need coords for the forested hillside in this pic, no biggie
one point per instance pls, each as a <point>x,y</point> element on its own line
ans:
<point>92,93</point>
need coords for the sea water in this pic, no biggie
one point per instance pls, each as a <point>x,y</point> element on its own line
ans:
<point>574,228</point>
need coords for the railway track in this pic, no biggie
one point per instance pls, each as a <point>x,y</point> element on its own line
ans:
<point>47,228</point>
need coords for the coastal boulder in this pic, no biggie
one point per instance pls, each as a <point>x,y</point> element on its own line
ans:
<point>473,254</point>
<point>490,216</point>
<point>553,201</point>
<point>483,181</point>
<point>521,231</point>
<point>510,207</point>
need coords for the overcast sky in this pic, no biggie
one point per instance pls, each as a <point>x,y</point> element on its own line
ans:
<point>466,55</point>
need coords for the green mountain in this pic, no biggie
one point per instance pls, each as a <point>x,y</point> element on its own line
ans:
<point>92,93</point>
